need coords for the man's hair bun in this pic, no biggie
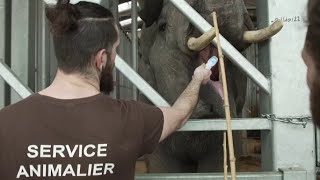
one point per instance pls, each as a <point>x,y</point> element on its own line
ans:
<point>63,17</point>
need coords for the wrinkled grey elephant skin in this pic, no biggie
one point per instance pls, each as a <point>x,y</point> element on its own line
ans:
<point>167,64</point>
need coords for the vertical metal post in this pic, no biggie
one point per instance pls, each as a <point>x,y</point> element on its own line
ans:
<point>287,145</point>
<point>21,52</point>
<point>2,49</point>
<point>117,87</point>
<point>42,77</point>
<point>134,35</point>
<point>116,93</point>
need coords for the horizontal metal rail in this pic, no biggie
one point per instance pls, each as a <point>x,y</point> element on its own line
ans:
<point>229,50</point>
<point>213,176</point>
<point>125,8</point>
<point>220,124</point>
<point>10,77</point>
<point>128,22</point>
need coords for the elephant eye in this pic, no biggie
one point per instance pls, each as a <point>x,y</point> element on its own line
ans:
<point>162,26</point>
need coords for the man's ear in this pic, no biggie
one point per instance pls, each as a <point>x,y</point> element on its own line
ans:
<point>101,59</point>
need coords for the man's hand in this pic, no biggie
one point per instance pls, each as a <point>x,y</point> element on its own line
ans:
<point>202,74</point>
<point>177,115</point>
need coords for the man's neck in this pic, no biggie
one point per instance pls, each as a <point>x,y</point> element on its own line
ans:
<point>72,86</point>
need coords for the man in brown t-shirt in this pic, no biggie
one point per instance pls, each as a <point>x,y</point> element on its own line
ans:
<point>72,130</point>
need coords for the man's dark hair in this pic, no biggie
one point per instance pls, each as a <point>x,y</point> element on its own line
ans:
<point>313,34</point>
<point>79,32</point>
<point>313,49</point>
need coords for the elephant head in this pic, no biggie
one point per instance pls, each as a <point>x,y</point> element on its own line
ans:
<point>168,59</point>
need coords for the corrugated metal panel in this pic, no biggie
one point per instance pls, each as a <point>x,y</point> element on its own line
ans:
<point>125,51</point>
<point>22,43</point>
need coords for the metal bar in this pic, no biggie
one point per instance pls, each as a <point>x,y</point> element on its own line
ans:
<point>72,1</point>
<point>128,22</point>
<point>211,176</point>
<point>37,50</point>
<point>230,51</point>
<point>125,52</point>
<point>42,74</point>
<point>124,7</point>
<point>139,82</point>
<point>45,75</point>
<point>22,47</point>
<point>220,124</point>
<point>293,173</point>
<point>318,146</point>
<point>9,76</point>
<point>2,49</point>
<point>116,93</point>
<point>134,38</point>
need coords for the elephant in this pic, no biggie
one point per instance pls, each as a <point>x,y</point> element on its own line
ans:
<point>167,63</point>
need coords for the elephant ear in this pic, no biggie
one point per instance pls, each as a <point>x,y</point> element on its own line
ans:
<point>150,10</point>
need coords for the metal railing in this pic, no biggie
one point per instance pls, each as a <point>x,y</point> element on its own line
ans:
<point>9,76</point>
<point>213,176</point>
<point>192,125</point>
<point>283,174</point>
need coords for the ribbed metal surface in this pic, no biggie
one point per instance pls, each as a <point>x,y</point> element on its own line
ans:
<point>220,125</point>
<point>196,176</point>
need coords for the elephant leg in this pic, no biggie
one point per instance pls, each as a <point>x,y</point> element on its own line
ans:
<point>212,160</point>
<point>211,163</point>
<point>161,162</point>
<point>214,163</point>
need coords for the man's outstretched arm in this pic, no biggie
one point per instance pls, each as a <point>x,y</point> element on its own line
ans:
<point>177,115</point>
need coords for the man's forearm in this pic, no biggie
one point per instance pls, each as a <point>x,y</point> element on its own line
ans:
<point>187,101</point>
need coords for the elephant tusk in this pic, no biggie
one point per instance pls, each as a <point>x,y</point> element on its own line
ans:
<point>262,34</point>
<point>198,44</point>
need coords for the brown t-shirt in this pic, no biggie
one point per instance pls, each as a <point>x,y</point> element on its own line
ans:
<point>95,137</point>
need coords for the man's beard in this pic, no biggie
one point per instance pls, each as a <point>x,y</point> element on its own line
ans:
<point>106,81</point>
<point>315,101</point>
